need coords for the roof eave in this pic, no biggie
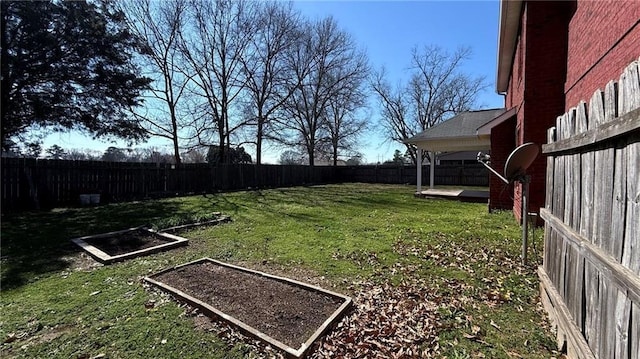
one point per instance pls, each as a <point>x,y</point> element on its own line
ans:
<point>510,11</point>
<point>468,144</point>
<point>486,128</point>
<point>414,140</point>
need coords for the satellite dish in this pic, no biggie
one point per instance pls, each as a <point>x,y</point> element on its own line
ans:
<point>515,170</point>
<point>519,160</point>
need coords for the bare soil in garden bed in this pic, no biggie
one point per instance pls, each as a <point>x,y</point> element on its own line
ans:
<point>285,312</point>
<point>127,242</point>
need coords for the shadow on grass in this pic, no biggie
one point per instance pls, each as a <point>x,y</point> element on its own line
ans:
<point>222,203</point>
<point>36,243</point>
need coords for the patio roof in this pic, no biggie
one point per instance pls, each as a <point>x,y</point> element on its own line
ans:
<point>459,133</point>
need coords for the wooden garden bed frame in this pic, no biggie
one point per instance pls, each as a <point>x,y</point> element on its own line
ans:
<point>213,222</point>
<point>107,258</point>
<point>247,329</point>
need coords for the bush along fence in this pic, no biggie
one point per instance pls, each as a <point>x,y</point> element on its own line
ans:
<point>41,184</point>
<point>590,279</point>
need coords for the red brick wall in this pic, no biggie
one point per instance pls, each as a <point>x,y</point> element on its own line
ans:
<point>515,89</point>
<point>536,86</point>
<point>513,98</point>
<point>502,143</point>
<point>565,51</point>
<point>604,37</point>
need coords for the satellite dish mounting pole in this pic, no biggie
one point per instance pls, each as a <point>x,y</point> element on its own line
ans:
<point>525,216</point>
<point>515,170</point>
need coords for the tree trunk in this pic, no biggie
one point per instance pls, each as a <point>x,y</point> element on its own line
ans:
<point>259,139</point>
<point>174,133</point>
<point>311,156</point>
<point>221,144</point>
<point>176,151</point>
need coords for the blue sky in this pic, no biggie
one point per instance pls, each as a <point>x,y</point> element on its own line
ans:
<point>388,30</point>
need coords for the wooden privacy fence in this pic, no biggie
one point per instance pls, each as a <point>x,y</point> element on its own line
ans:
<point>590,279</point>
<point>456,175</point>
<point>31,183</point>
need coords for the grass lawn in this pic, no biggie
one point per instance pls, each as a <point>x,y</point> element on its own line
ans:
<point>429,277</point>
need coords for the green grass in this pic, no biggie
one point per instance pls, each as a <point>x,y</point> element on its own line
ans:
<point>51,308</point>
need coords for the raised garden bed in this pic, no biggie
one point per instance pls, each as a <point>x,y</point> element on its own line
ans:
<point>184,227</point>
<point>129,243</point>
<point>284,313</point>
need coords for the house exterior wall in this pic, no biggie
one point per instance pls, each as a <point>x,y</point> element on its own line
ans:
<point>499,196</point>
<point>564,52</point>
<point>604,37</point>
<point>536,86</point>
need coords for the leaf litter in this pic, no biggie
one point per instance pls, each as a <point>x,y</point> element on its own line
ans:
<point>399,312</point>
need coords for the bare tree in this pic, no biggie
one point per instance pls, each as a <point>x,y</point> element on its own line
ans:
<point>342,118</point>
<point>158,24</point>
<point>325,61</point>
<point>195,155</point>
<point>156,155</point>
<point>76,155</point>
<point>266,68</point>
<point>213,45</point>
<point>437,90</point>
<point>394,109</point>
<point>289,157</point>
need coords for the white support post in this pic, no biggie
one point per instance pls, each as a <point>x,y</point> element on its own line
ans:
<point>419,171</point>
<point>432,168</point>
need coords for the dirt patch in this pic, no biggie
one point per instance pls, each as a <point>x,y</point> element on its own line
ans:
<point>283,311</point>
<point>80,262</point>
<point>34,335</point>
<point>297,273</point>
<point>127,242</point>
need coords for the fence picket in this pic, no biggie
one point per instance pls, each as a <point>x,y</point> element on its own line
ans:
<point>619,201</point>
<point>635,331</point>
<point>631,246</point>
<point>592,250</point>
<point>592,309</point>
<point>622,324</point>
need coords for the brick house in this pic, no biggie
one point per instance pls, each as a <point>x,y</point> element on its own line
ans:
<point>551,55</point>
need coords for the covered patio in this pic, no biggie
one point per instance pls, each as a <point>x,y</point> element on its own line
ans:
<point>467,131</point>
<point>462,195</point>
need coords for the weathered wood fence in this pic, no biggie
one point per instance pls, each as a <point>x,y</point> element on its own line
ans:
<point>474,174</point>
<point>590,279</point>
<point>31,183</point>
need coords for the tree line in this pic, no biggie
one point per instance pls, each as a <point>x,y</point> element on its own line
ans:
<point>217,74</point>
<point>152,154</point>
